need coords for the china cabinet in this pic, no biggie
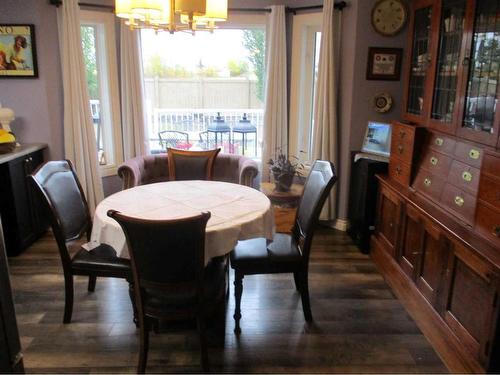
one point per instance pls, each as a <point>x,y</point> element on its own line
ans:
<point>437,237</point>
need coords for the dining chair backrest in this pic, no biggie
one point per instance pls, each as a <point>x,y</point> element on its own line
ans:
<point>317,187</point>
<point>59,188</point>
<point>165,254</point>
<point>191,165</point>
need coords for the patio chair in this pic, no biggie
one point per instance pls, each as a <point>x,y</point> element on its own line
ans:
<point>174,139</point>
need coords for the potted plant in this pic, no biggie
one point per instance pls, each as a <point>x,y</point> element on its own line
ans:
<point>283,170</point>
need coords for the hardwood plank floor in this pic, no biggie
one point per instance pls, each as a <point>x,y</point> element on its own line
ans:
<point>359,326</point>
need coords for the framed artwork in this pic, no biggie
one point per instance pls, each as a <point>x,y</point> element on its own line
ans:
<point>17,51</point>
<point>384,64</point>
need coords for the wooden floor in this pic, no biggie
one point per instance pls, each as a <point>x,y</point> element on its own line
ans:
<point>359,325</point>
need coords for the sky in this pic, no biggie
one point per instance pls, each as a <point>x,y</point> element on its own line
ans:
<point>180,48</point>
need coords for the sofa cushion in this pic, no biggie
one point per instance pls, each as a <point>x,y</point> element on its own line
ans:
<point>191,165</point>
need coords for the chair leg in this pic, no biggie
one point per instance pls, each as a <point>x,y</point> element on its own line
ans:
<point>238,291</point>
<point>296,278</point>
<point>200,320</point>
<point>132,299</point>
<point>144,347</point>
<point>304,294</point>
<point>92,281</point>
<point>68,298</point>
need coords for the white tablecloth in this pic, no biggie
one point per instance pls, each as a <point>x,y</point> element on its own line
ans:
<point>238,212</point>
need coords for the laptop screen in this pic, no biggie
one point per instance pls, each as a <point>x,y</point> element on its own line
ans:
<point>377,139</point>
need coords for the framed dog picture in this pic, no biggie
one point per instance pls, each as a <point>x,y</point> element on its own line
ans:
<point>384,64</point>
<point>17,51</point>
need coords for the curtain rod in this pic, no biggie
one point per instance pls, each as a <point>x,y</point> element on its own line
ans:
<point>339,6</point>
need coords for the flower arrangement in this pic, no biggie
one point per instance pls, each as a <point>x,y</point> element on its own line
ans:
<point>283,170</point>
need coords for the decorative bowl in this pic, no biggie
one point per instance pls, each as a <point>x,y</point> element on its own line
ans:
<point>5,148</point>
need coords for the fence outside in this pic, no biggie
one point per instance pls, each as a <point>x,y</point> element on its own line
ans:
<point>202,93</point>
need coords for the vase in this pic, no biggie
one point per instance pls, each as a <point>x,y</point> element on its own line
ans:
<point>283,182</point>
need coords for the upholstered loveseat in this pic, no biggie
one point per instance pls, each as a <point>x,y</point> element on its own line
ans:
<point>149,169</point>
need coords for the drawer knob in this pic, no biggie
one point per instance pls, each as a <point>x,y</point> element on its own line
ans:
<point>467,176</point>
<point>459,201</point>
<point>474,154</point>
<point>400,149</point>
<point>434,160</point>
<point>402,134</point>
<point>427,182</point>
<point>398,170</point>
<point>439,141</point>
<point>496,230</point>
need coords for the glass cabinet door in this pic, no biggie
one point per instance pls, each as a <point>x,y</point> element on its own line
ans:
<point>448,69</point>
<point>420,62</point>
<point>479,120</point>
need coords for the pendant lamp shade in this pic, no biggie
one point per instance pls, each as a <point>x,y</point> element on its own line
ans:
<point>191,7</point>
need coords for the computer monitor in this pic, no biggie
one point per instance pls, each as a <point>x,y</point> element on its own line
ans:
<point>377,139</point>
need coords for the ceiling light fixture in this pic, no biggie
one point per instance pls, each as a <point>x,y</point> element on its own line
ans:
<point>172,15</point>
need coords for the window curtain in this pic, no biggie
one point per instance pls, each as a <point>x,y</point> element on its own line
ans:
<point>135,136</point>
<point>325,142</point>
<point>275,110</point>
<point>79,138</point>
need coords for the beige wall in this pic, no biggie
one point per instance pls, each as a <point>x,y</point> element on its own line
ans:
<point>356,92</point>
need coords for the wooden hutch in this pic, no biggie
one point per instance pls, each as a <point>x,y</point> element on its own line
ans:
<point>437,240</point>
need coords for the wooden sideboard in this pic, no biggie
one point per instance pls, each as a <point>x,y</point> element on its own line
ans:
<point>437,237</point>
<point>22,214</point>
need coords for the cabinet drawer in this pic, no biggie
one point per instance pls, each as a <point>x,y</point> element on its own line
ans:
<point>464,176</point>
<point>436,162</point>
<point>399,171</point>
<point>441,143</point>
<point>489,190</point>
<point>429,184</point>
<point>469,154</point>
<point>402,141</point>
<point>488,223</point>
<point>491,165</point>
<point>461,203</point>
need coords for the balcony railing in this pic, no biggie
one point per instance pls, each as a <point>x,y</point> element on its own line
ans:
<point>196,121</point>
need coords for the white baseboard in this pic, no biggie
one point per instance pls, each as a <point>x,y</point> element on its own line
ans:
<point>341,224</point>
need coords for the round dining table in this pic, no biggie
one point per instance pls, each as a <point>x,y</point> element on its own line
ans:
<point>237,212</point>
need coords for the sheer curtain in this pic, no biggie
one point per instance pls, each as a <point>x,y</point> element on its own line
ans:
<point>79,137</point>
<point>135,138</point>
<point>325,143</point>
<point>275,111</point>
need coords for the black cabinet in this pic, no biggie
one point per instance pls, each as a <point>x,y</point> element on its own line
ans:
<point>11,359</point>
<point>23,215</point>
<point>363,200</point>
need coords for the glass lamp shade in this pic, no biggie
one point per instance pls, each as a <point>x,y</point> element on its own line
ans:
<point>191,7</point>
<point>216,10</point>
<point>149,9</point>
<point>123,8</point>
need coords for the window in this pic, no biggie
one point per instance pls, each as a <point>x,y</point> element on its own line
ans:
<point>206,90</point>
<point>306,40</point>
<point>99,55</point>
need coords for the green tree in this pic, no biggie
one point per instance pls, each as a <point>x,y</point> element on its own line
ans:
<point>90,60</point>
<point>155,67</point>
<point>237,68</point>
<point>254,42</point>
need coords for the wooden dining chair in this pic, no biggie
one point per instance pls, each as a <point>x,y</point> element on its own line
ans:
<point>171,280</point>
<point>191,165</point>
<point>287,253</point>
<point>63,197</point>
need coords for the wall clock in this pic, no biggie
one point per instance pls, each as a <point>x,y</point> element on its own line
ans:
<point>389,17</point>
<point>382,102</point>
